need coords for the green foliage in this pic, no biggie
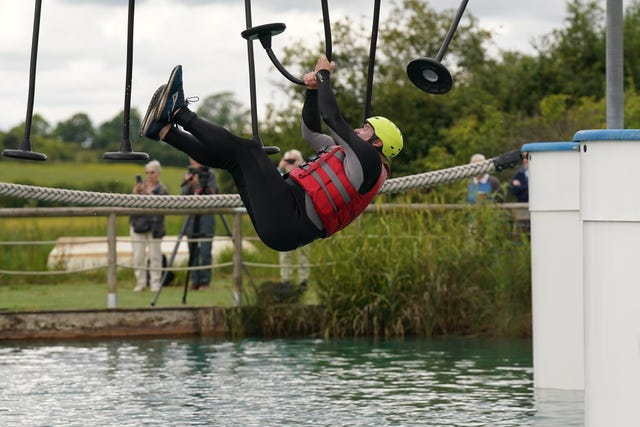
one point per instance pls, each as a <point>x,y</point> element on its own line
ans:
<point>396,273</point>
<point>415,273</point>
<point>499,100</point>
<point>78,129</point>
<point>110,177</point>
<point>222,108</point>
<point>444,276</point>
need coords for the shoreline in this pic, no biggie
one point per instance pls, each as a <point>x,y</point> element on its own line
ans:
<point>277,320</point>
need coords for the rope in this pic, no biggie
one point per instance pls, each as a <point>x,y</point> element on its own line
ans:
<point>394,185</point>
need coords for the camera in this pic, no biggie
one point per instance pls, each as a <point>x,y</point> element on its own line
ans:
<point>203,175</point>
<point>138,179</point>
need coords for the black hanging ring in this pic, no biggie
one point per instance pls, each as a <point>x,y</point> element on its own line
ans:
<point>125,155</point>
<point>264,33</point>
<point>430,75</point>
<point>24,154</point>
<point>126,148</point>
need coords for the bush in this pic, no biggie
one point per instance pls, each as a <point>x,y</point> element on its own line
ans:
<point>427,273</point>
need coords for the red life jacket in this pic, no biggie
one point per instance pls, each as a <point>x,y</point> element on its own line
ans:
<point>334,198</point>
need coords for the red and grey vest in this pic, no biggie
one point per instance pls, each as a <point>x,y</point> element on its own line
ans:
<point>335,199</point>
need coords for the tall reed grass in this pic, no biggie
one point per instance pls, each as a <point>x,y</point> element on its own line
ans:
<point>427,273</point>
<point>393,273</point>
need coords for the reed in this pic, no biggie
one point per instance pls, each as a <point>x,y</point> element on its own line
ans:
<point>397,273</point>
<point>427,273</point>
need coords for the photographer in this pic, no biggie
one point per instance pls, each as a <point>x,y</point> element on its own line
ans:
<point>200,229</point>
<point>147,231</point>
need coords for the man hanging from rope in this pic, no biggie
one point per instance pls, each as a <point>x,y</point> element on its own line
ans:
<point>313,201</point>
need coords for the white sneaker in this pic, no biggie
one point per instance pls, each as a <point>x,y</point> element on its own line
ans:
<point>139,288</point>
<point>155,288</point>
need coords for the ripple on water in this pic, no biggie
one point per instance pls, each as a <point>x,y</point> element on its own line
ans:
<point>277,382</point>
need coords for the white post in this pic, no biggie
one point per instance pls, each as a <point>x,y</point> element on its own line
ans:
<point>610,210</point>
<point>112,262</point>
<point>556,265</point>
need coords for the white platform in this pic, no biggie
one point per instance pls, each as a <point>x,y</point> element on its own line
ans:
<point>77,253</point>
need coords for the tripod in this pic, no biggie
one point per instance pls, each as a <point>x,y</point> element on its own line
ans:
<point>183,231</point>
<point>194,252</point>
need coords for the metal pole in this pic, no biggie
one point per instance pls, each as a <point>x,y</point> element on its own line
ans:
<point>252,75</point>
<point>237,258</point>
<point>452,31</point>
<point>25,146</point>
<point>32,76</point>
<point>112,262</point>
<point>372,59</point>
<point>327,30</point>
<point>126,149</point>
<point>615,70</point>
<point>128,76</point>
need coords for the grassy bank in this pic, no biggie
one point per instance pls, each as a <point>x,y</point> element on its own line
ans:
<point>398,273</point>
<point>388,274</point>
<point>428,273</point>
<point>92,295</point>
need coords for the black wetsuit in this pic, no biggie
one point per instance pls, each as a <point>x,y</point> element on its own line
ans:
<point>280,210</point>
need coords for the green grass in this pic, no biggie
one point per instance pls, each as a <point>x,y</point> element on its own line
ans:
<point>83,175</point>
<point>388,274</point>
<point>91,294</point>
<point>85,295</point>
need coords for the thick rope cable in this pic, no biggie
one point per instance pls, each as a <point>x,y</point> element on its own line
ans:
<point>92,198</point>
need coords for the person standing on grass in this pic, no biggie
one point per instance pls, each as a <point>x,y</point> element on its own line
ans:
<point>200,229</point>
<point>291,160</point>
<point>484,187</point>
<point>147,232</point>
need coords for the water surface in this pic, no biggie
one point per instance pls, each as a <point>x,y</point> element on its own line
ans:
<point>461,382</point>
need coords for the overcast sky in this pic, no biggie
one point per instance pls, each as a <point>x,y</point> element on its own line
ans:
<point>82,49</point>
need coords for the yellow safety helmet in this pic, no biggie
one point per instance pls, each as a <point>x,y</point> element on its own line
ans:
<point>389,134</point>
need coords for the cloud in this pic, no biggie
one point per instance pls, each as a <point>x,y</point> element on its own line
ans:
<point>82,49</point>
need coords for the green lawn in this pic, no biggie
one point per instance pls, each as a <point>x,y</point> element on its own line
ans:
<point>83,295</point>
<point>81,175</point>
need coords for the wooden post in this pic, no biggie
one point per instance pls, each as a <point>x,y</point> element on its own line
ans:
<point>112,262</point>
<point>237,257</point>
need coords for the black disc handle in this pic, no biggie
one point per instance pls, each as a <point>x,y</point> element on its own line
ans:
<point>429,74</point>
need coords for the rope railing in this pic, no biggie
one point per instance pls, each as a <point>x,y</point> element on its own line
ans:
<point>93,198</point>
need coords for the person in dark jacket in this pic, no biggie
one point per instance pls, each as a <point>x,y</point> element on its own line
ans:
<point>200,229</point>
<point>519,185</point>
<point>311,202</point>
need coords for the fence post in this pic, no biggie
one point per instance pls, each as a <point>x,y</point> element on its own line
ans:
<point>112,262</point>
<point>237,257</point>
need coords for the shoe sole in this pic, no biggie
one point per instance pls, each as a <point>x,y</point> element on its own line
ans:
<point>165,94</point>
<point>152,109</point>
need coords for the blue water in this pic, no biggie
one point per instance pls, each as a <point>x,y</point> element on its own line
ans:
<point>167,382</point>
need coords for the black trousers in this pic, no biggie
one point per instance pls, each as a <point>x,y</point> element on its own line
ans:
<point>276,206</point>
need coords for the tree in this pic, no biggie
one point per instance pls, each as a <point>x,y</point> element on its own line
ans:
<point>412,30</point>
<point>631,44</point>
<point>39,126</point>
<point>572,59</point>
<point>110,134</point>
<point>77,129</point>
<point>222,108</point>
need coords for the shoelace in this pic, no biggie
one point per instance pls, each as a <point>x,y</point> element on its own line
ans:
<point>185,103</point>
<point>191,100</point>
